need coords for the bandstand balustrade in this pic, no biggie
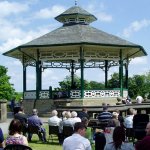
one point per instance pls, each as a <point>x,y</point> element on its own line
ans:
<point>75,94</point>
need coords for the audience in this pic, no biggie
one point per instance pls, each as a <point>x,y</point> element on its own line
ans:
<point>54,120</point>
<point>105,116</point>
<point>128,121</point>
<point>114,122</point>
<point>68,121</point>
<point>2,143</point>
<point>139,99</point>
<point>119,141</point>
<point>120,118</point>
<point>144,144</point>
<point>15,136</point>
<point>34,120</point>
<point>88,133</point>
<point>77,141</point>
<point>64,115</point>
<point>83,113</point>
<point>23,119</point>
<point>74,117</point>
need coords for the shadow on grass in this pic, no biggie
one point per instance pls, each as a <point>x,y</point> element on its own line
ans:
<point>49,142</point>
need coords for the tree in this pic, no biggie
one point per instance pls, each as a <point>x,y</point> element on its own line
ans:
<point>96,85</point>
<point>137,85</point>
<point>114,81</point>
<point>88,85</point>
<point>6,88</point>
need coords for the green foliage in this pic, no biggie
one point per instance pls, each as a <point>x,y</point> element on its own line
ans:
<point>139,85</point>
<point>88,85</point>
<point>6,88</point>
<point>114,81</point>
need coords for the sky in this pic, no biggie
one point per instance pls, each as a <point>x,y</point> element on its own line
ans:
<point>24,20</point>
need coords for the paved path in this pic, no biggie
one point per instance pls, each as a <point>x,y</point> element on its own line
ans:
<point>4,126</point>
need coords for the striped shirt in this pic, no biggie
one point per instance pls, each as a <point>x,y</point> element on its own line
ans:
<point>104,116</point>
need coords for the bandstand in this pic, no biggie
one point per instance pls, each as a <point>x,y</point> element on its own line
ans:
<point>76,45</point>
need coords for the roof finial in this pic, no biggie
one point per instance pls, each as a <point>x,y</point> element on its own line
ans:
<point>75,2</point>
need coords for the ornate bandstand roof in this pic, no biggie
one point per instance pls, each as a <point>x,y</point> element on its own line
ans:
<point>65,42</point>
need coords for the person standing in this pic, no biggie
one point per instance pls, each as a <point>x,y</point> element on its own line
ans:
<point>145,142</point>
<point>119,141</point>
<point>104,116</point>
<point>128,121</point>
<point>77,141</point>
<point>34,120</point>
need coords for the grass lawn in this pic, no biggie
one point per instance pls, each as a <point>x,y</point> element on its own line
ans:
<point>35,144</point>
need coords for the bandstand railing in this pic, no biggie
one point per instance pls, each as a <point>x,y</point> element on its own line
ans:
<point>75,94</point>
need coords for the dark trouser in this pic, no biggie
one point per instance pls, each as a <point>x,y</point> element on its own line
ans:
<point>42,135</point>
<point>100,141</point>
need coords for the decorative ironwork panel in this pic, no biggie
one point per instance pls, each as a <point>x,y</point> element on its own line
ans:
<point>44,95</point>
<point>75,94</point>
<point>101,93</point>
<point>103,54</point>
<point>30,95</point>
<point>59,55</point>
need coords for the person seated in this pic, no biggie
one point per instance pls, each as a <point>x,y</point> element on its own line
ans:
<point>64,115</point>
<point>119,141</point>
<point>34,120</point>
<point>15,136</point>
<point>128,100</point>
<point>2,143</point>
<point>139,99</point>
<point>54,120</point>
<point>68,121</point>
<point>74,117</point>
<point>23,119</point>
<point>83,113</point>
<point>114,122</point>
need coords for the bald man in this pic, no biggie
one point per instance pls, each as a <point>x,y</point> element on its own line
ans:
<point>145,143</point>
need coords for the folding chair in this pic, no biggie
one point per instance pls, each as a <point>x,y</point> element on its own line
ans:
<point>53,130</point>
<point>17,147</point>
<point>34,130</point>
<point>67,131</point>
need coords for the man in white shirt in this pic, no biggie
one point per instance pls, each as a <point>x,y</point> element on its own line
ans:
<point>77,141</point>
<point>54,120</point>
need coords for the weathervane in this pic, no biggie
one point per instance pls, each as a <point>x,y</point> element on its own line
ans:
<point>75,2</point>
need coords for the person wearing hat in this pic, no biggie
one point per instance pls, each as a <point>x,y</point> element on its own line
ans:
<point>34,120</point>
<point>77,140</point>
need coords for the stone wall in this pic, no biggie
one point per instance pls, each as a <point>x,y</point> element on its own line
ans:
<point>41,105</point>
<point>3,110</point>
